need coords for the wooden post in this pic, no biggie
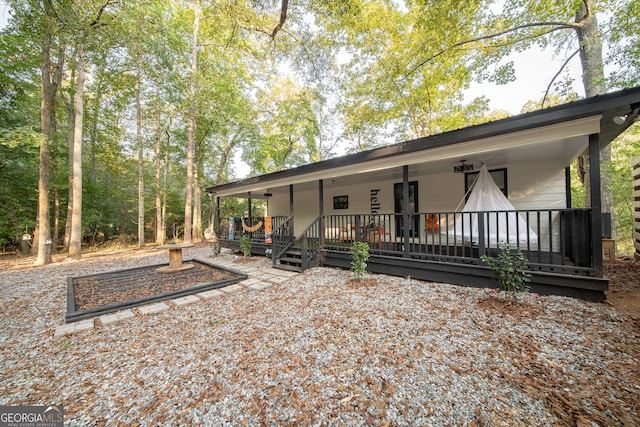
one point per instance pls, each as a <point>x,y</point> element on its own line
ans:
<point>567,185</point>
<point>321,212</point>
<point>291,224</point>
<point>596,203</point>
<point>405,209</point>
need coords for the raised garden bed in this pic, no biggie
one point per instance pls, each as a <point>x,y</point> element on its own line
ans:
<point>97,294</point>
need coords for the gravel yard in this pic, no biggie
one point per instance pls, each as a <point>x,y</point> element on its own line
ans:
<point>317,349</point>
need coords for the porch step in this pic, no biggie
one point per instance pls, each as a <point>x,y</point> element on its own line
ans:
<point>291,260</point>
<point>288,267</point>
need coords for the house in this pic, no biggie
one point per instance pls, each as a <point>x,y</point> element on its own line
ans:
<point>406,201</point>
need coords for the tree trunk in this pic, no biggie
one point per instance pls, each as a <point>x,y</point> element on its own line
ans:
<point>71,127</point>
<point>197,206</point>
<point>188,205</point>
<point>594,83</point>
<point>140,160</point>
<point>165,183</point>
<point>50,83</point>
<point>590,51</point>
<point>75,240</point>
<point>56,220</point>
<point>157,182</point>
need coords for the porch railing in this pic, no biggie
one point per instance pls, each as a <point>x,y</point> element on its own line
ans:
<point>551,239</point>
<point>282,239</point>
<point>310,243</point>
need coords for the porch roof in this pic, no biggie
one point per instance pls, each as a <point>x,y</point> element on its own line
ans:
<point>556,132</point>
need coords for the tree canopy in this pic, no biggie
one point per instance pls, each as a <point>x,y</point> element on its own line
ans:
<point>174,91</point>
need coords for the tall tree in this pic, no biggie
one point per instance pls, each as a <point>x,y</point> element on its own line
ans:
<point>19,142</point>
<point>75,238</point>
<point>140,145</point>
<point>159,222</point>
<point>85,23</point>
<point>191,129</point>
<point>51,72</point>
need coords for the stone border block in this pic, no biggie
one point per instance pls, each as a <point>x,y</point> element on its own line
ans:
<point>70,328</point>
<point>213,293</point>
<point>259,286</point>
<point>186,300</point>
<point>232,289</point>
<point>154,308</point>
<point>111,318</point>
<point>278,272</point>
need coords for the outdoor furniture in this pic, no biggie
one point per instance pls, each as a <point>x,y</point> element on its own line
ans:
<point>347,233</point>
<point>377,236</point>
<point>175,258</point>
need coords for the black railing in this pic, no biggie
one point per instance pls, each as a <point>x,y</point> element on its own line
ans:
<point>310,241</point>
<point>549,238</point>
<point>554,240</point>
<point>282,239</point>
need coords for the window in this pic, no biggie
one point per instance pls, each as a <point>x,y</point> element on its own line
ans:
<point>499,177</point>
<point>341,202</point>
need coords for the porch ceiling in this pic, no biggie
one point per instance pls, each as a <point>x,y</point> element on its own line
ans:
<point>561,142</point>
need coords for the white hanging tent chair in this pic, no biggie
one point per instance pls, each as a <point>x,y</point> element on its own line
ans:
<point>499,226</point>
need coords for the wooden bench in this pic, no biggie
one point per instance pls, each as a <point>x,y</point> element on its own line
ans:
<point>175,258</point>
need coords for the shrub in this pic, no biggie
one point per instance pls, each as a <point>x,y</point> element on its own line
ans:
<point>508,268</point>
<point>359,257</point>
<point>245,245</point>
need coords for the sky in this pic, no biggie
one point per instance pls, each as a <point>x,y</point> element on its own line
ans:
<point>534,71</point>
<point>4,14</point>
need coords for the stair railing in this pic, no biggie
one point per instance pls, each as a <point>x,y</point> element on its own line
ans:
<point>309,239</point>
<point>281,239</point>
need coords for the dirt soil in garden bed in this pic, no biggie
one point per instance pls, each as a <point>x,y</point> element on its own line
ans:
<point>121,286</point>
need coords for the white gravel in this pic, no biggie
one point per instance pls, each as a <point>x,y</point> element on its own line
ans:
<point>317,349</point>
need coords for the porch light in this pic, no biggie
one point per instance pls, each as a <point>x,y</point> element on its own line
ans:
<point>619,119</point>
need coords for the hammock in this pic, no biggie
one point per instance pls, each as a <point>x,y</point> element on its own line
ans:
<point>248,229</point>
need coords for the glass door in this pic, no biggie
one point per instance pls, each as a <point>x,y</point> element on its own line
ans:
<point>414,220</point>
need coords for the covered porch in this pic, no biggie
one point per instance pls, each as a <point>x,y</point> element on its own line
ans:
<point>560,262</point>
<point>404,200</point>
